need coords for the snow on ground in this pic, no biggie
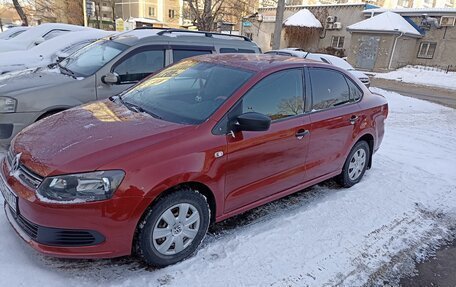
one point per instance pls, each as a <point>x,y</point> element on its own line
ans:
<point>422,75</point>
<point>323,236</point>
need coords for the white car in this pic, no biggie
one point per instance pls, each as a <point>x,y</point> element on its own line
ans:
<point>12,32</point>
<point>329,59</point>
<point>50,51</point>
<point>37,35</point>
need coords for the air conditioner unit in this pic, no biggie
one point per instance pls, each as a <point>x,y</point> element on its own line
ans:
<point>337,25</point>
<point>329,26</point>
<point>446,21</point>
<point>331,19</point>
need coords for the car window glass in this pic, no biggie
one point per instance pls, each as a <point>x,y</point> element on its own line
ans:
<point>140,65</point>
<point>54,33</point>
<point>15,34</point>
<point>278,96</point>
<point>324,60</point>
<point>188,92</point>
<point>182,54</point>
<point>355,91</point>
<point>246,51</point>
<point>284,54</point>
<point>91,58</point>
<point>329,88</point>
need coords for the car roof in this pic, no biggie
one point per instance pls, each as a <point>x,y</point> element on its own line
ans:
<point>150,35</point>
<point>255,62</point>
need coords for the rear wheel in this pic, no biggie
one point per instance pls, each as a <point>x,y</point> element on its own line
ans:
<point>173,228</point>
<point>355,165</point>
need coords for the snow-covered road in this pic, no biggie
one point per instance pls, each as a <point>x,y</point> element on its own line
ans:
<point>323,236</point>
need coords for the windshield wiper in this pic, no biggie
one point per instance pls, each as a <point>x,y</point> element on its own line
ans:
<point>137,109</point>
<point>67,71</point>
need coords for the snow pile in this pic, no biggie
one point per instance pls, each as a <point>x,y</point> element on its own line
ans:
<point>385,22</point>
<point>325,236</point>
<point>303,18</point>
<point>422,75</point>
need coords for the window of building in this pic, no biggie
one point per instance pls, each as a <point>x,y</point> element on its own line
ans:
<point>278,96</point>
<point>329,89</point>
<point>427,50</point>
<point>171,13</point>
<point>140,65</point>
<point>151,11</point>
<point>182,54</point>
<point>404,3</point>
<point>105,15</point>
<point>105,4</point>
<point>337,42</point>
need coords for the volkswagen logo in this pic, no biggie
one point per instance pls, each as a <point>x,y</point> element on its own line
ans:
<point>15,163</point>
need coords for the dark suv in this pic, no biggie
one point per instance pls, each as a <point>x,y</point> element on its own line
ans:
<point>101,70</point>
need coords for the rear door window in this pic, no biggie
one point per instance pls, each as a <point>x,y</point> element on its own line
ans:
<point>234,50</point>
<point>329,89</point>
<point>179,54</point>
<point>54,33</point>
<point>140,65</point>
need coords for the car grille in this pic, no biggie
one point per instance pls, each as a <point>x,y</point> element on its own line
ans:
<point>58,236</point>
<point>24,174</point>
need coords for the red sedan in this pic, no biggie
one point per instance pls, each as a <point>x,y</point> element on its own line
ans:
<point>210,137</point>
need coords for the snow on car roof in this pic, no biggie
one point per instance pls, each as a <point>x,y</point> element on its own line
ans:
<point>6,34</point>
<point>388,22</point>
<point>67,39</point>
<point>40,30</point>
<point>303,18</point>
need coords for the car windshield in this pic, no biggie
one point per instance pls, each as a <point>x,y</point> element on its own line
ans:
<point>91,58</point>
<point>188,92</point>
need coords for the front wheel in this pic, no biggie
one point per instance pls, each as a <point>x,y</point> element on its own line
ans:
<point>355,165</point>
<point>173,228</point>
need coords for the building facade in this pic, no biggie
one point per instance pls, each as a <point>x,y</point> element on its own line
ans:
<point>168,12</point>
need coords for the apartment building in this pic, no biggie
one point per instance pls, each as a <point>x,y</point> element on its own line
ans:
<point>168,12</point>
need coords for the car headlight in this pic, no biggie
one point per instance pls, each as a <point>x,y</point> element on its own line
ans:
<point>82,187</point>
<point>7,105</point>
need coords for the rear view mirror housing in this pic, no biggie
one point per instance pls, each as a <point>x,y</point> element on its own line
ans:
<point>110,79</point>
<point>252,121</point>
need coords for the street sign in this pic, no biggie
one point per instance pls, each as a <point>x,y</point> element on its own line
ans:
<point>247,24</point>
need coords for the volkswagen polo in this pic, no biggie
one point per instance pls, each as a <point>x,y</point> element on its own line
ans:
<point>213,136</point>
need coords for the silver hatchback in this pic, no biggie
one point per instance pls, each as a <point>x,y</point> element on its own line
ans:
<point>100,70</point>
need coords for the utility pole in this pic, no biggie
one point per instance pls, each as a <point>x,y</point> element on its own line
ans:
<point>278,24</point>
<point>84,12</point>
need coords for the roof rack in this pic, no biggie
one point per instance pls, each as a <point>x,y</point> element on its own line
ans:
<point>207,34</point>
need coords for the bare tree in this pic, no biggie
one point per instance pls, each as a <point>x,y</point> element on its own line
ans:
<point>20,12</point>
<point>291,106</point>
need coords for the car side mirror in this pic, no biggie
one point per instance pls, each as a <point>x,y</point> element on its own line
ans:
<point>252,121</point>
<point>110,79</point>
<point>39,41</point>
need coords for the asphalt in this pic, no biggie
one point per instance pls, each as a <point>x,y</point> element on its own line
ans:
<point>440,270</point>
<point>441,96</point>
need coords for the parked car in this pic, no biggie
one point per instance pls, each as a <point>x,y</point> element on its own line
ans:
<point>101,70</point>
<point>329,59</point>
<point>201,141</point>
<point>37,35</point>
<point>50,51</point>
<point>12,32</point>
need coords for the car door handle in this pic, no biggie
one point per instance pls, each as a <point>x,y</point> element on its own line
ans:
<point>301,133</point>
<point>353,119</point>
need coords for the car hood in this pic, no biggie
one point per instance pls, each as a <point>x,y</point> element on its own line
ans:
<point>31,80</point>
<point>12,61</point>
<point>90,136</point>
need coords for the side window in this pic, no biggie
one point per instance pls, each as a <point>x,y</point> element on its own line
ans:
<point>182,54</point>
<point>234,50</point>
<point>355,91</point>
<point>76,46</point>
<point>246,51</point>
<point>284,54</point>
<point>140,65</point>
<point>54,33</point>
<point>278,96</point>
<point>329,88</point>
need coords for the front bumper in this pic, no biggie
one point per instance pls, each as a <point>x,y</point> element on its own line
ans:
<point>12,123</point>
<point>107,227</point>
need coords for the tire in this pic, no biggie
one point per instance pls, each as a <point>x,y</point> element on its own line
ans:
<point>353,172</point>
<point>172,231</point>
